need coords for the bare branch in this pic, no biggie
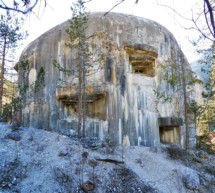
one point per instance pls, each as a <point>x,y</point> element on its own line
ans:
<point>210,10</point>
<point>199,30</point>
<point>87,1</point>
<point>206,19</point>
<point>114,7</point>
<point>3,3</point>
<point>19,10</point>
<point>172,9</point>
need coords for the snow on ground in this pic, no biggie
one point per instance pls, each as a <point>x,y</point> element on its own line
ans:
<point>33,160</point>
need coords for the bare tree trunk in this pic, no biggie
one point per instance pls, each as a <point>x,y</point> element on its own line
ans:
<point>211,16</point>
<point>84,98</point>
<point>2,74</point>
<point>80,95</point>
<point>186,120</point>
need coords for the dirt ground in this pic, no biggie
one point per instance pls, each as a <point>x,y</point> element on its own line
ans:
<point>33,160</point>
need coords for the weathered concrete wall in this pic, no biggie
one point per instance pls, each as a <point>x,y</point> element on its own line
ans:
<point>123,105</point>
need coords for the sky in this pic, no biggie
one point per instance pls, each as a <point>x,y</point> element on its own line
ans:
<point>58,11</point>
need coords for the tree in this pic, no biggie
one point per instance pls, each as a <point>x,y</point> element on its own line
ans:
<point>86,61</point>
<point>77,40</point>
<point>203,22</point>
<point>180,79</point>
<point>10,34</point>
<point>20,6</point>
<point>10,112</point>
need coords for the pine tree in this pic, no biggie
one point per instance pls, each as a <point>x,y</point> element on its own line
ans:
<point>10,34</point>
<point>180,79</point>
<point>78,40</point>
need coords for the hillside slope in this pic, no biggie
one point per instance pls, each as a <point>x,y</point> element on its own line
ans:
<point>33,160</point>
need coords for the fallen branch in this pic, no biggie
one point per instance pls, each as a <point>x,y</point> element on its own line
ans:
<point>110,161</point>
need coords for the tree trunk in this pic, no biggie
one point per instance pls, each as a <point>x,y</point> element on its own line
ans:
<point>80,96</point>
<point>187,137</point>
<point>2,75</point>
<point>84,98</point>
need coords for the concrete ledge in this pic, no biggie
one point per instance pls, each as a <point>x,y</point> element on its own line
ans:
<point>70,94</point>
<point>170,121</point>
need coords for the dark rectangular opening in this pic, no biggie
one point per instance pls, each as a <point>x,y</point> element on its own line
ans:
<point>169,134</point>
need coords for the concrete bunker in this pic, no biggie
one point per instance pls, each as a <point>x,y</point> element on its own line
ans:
<point>121,101</point>
<point>169,130</point>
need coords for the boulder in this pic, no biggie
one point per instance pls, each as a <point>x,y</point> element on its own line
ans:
<point>202,154</point>
<point>14,136</point>
<point>191,180</point>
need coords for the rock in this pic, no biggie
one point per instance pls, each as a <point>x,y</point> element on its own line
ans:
<point>197,159</point>
<point>154,149</point>
<point>93,143</point>
<point>40,148</point>
<point>14,136</point>
<point>191,180</point>
<point>31,138</point>
<point>209,168</point>
<point>93,163</point>
<point>138,160</point>
<point>202,154</point>
<point>15,127</point>
<point>85,155</point>
<point>63,154</point>
<point>176,152</point>
<point>88,186</point>
<point>62,175</point>
<point>206,179</point>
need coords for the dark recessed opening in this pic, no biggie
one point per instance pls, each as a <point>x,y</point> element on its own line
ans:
<point>169,129</point>
<point>142,61</point>
<point>169,134</point>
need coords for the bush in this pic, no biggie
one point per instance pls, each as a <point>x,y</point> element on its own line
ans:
<point>176,152</point>
<point>206,142</point>
<point>7,113</point>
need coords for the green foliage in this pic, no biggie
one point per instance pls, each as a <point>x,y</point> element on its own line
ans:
<point>163,96</point>
<point>9,109</point>
<point>24,68</point>
<point>24,90</point>
<point>179,79</point>
<point>83,62</point>
<point>10,30</point>
<point>190,78</point>
<point>172,75</point>
<point>78,41</point>
<point>23,65</point>
<point>194,107</point>
<point>206,115</point>
<point>204,142</point>
<point>7,112</point>
<point>40,82</point>
<point>206,63</point>
<point>10,35</point>
<point>78,25</point>
<point>16,102</point>
<point>61,69</point>
<point>173,80</point>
